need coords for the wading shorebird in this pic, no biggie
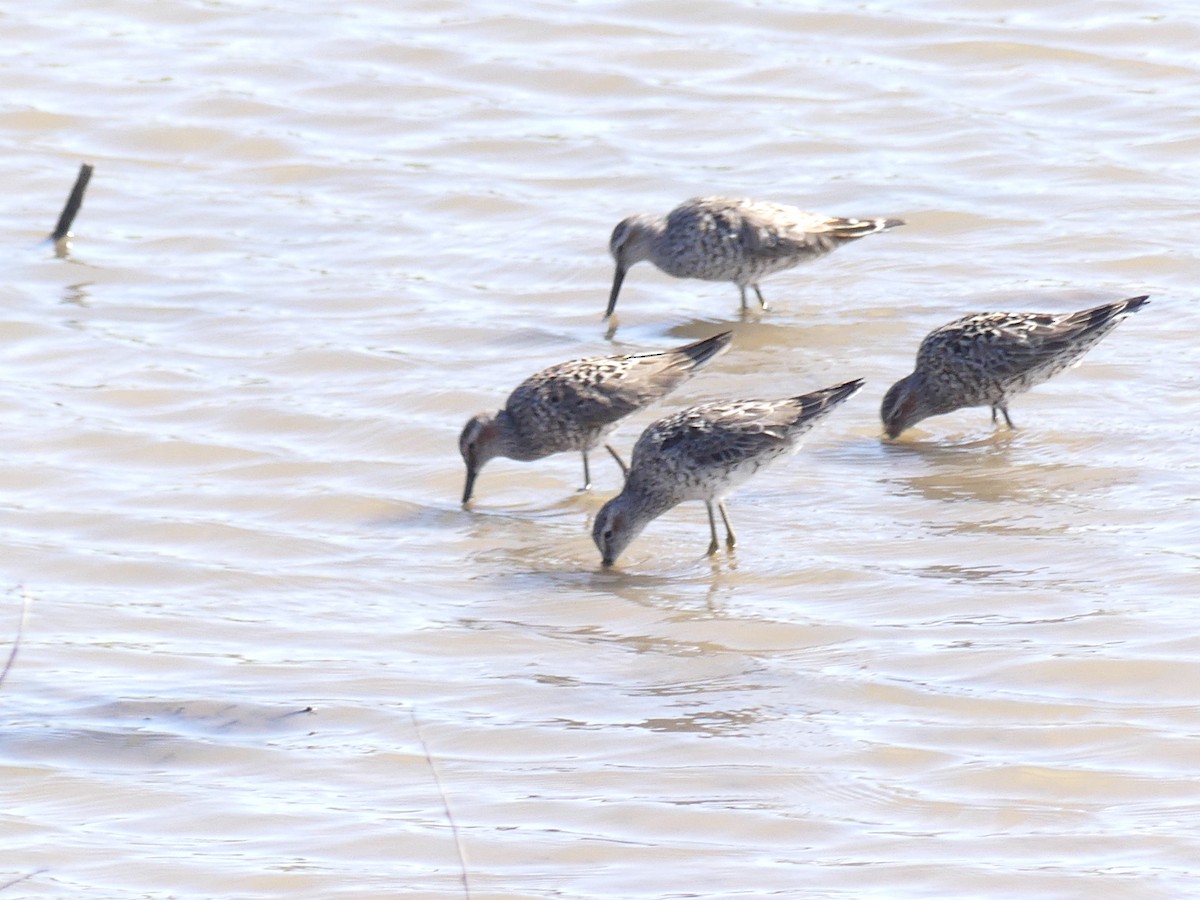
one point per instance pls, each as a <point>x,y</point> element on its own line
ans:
<point>703,453</point>
<point>574,405</point>
<point>725,239</point>
<point>987,358</point>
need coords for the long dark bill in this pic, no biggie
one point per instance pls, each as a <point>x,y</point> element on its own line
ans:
<point>472,472</point>
<point>618,278</point>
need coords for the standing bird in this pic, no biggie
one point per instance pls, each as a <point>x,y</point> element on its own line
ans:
<point>724,239</point>
<point>987,358</point>
<point>574,405</point>
<point>703,453</point>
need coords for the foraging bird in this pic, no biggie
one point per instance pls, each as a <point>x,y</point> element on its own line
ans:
<point>987,358</point>
<point>724,239</point>
<point>703,453</point>
<point>574,405</point>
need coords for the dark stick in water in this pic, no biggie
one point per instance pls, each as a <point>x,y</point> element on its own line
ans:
<point>63,228</point>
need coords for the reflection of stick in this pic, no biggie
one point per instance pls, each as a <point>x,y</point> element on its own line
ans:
<point>5,887</point>
<point>12,655</point>
<point>462,859</point>
<point>63,228</point>
<point>8,665</point>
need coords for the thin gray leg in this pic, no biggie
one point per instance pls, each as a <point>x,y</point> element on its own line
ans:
<point>730,537</point>
<point>761,302</point>
<point>587,475</point>
<point>617,457</point>
<point>712,527</point>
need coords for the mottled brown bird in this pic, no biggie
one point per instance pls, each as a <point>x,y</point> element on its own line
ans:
<point>703,453</point>
<point>574,405</point>
<point>987,358</point>
<point>726,239</point>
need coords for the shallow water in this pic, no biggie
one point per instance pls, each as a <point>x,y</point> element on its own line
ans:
<point>264,641</point>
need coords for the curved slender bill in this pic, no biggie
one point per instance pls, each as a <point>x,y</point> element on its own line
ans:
<point>618,278</point>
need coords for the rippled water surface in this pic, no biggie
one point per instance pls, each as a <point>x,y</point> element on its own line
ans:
<point>267,652</point>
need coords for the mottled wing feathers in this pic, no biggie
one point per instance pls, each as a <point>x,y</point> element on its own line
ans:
<point>723,434</point>
<point>759,229</point>
<point>764,230</point>
<point>717,435</point>
<point>600,390</point>
<point>1010,345</point>
<point>589,390</point>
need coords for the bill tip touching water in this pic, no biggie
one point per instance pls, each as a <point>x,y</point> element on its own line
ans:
<point>704,453</point>
<point>986,359</point>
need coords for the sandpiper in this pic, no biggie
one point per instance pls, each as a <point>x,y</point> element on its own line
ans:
<point>725,239</point>
<point>987,358</point>
<point>703,453</point>
<point>574,405</point>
